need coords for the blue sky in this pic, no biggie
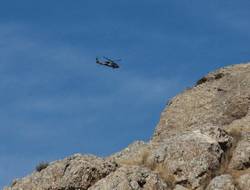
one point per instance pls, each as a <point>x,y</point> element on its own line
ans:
<point>55,101</point>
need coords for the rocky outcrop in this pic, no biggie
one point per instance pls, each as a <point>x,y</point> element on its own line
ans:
<point>202,142</point>
<point>75,172</point>
<point>244,181</point>
<point>223,182</point>
<point>241,155</point>
<point>221,99</point>
<point>130,178</point>
<point>191,158</point>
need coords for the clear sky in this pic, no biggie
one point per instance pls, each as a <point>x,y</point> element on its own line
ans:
<point>55,101</point>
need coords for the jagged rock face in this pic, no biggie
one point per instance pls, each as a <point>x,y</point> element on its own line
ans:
<point>223,182</point>
<point>75,172</point>
<point>192,157</point>
<point>202,142</point>
<point>180,187</point>
<point>134,154</point>
<point>244,181</point>
<point>220,98</point>
<point>241,155</point>
<point>131,178</point>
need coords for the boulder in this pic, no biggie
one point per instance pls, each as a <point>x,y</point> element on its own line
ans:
<point>219,99</point>
<point>131,178</point>
<point>134,154</point>
<point>241,155</point>
<point>75,172</point>
<point>223,182</point>
<point>244,181</point>
<point>190,158</point>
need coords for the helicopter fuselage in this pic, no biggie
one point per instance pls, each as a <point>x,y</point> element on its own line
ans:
<point>108,63</point>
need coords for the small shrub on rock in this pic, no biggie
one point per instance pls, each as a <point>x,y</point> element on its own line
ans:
<point>41,166</point>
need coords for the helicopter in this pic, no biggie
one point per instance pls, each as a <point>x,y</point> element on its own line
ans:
<point>108,62</point>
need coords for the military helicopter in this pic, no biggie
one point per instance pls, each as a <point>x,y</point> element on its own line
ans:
<point>108,62</point>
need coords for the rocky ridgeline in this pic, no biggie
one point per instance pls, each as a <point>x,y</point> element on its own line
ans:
<point>201,142</point>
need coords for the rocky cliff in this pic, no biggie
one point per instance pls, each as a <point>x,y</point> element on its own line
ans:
<point>202,141</point>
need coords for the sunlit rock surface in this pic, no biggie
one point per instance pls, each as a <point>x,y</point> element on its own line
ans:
<point>201,142</point>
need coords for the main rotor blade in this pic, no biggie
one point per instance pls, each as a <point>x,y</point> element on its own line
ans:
<point>107,58</point>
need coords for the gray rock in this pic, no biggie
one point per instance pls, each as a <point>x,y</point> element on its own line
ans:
<point>241,155</point>
<point>180,187</point>
<point>223,182</point>
<point>202,133</point>
<point>75,172</point>
<point>190,158</point>
<point>221,99</point>
<point>131,178</point>
<point>134,154</point>
<point>244,181</point>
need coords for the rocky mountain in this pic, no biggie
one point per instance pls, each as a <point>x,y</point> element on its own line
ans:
<point>202,142</point>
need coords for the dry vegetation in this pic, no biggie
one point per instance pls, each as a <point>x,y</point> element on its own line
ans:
<point>41,166</point>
